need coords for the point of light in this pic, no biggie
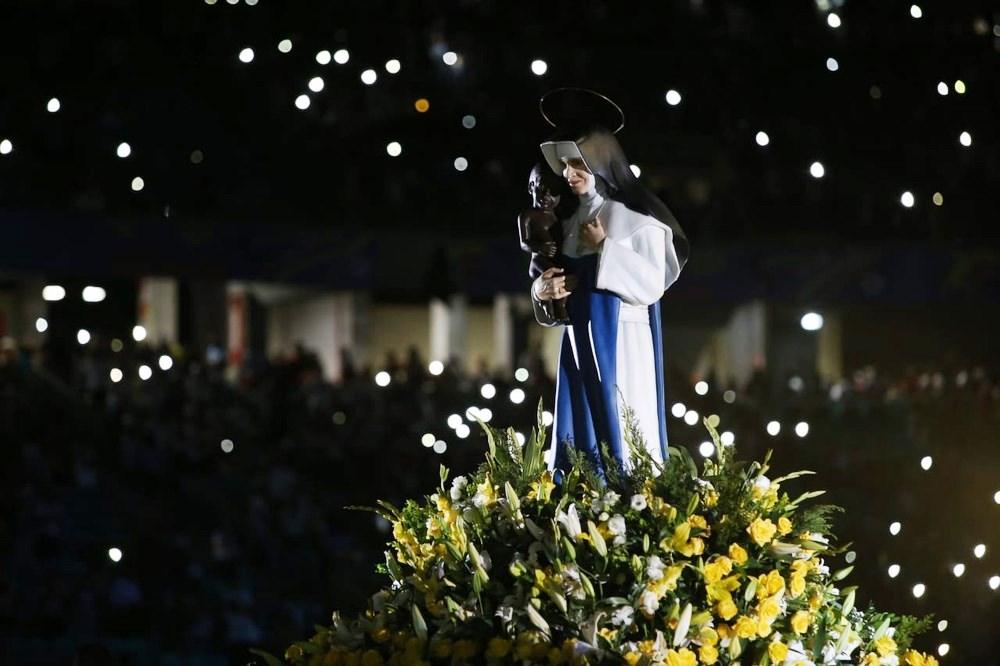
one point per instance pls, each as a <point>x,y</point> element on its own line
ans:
<point>316,84</point>
<point>833,20</point>
<point>488,391</point>
<point>701,388</point>
<point>979,550</point>
<point>994,582</point>
<point>485,414</point>
<point>960,87</point>
<point>165,362</point>
<point>93,294</point>
<point>729,396</point>
<point>811,321</point>
<point>938,199</point>
<point>519,436</point>
<point>706,449</point>
<point>226,445</point>
<point>907,199</point>
<point>440,446</point>
<point>773,428</point>
<point>369,76</point>
<point>636,171</point>
<point>547,418</point>
<point>41,325</point>
<point>942,625</point>
<point>395,150</point>
<point>246,55</point>
<point>53,105</point>
<point>965,139</point>
<point>285,45</point>
<point>690,417</point>
<point>539,67</point>
<point>462,431</point>
<point>461,164</point>
<point>6,147</point>
<point>323,57</point>
<point>471,413</point>
<point>996,497</point>
<point>832,64</point>
<point>83,336</point>
<point>302,102</point>
<point>117,345</point>
<point>943,649</point>
<point>468,122</point>
<point>145,372</point>
<point>454,421</point>
<point>915,11</point>
<point>428,439</point>
<point>762,139</point>
<point>116,375</point>
<point>138,333</point>
<point>123,150</point>
<point>801,428</point>
<point>893,570</point>
<point>958,570</point>
<point>895,527</point>
<point>53,292</point>
<point>673,97</point>
<point>517,396</point>
<point>727,438</point>
<point>341,56</point>
<point>942,88</point>
<point>919,589</point>
<point>392,66</point>
<point>434,367</point>
<point>138,183</point>
<point>382,378</point>
<point>521,374</point>
<point>678,409</point>
<point>422,105</point>
<point>115,554</point>
<point>926,462</point>
<point>450,58</point>
<point>816,170</point>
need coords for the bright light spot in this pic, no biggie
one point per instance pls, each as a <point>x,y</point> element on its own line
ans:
<point>316,84</point>
<point>895,527</point>
<point>996,497</point>
<point>539,67</point>
<point>965,139</point>
<point>994,582</point>
<point>958,569</point>
<point>673,97</point>
<point>678,409</point>
<point>488,391</point>
<point>285,45</point>
<point>115,554</point>
<point>462,431</point>
<point>434,367</point>
<point>341,56</point>
<point>729,396</point>
<point>165,362</point>
<point>519,436</point>
<point>801,428</point>
<point>428,439</point>
<point>41,325</point>
<point>454,421</point>
<point>227,446</point>
<point>906,199</point>
<point>762,139</point>
<point>943,649</point>
<point>461,164</point>
<point>392,66</point>
<point>811,321</point>
<point>796,383</point>
<point>727,438</point>
<point>701,388</point>
<point>137,184</point>
<point>116,375</point>
<point>547,418</point>
<point>395,150</point>
<point>422,105</point>
<point>521,374</point>
<point>919,589</point>
<point>440,446</point>
<point>938,199</point>
<point>485,414</point>
<point>960,87</point>
<point>690,417</point>
<point>382,378</point>
<point>323,57</point>
<point>816,170</point>
<point>83,336</point>
<point>368,77</point>
<point>773,428</point>
<point>942,88</point>
<point>145,372</point>
<point>926,462</point>
<point>832,64</point>
<point>942,625</point>
<point>302,102</point>
<point>246,55</point>
<point>138,333</point>
<point>53,105</point>
<point>450,58</point>
<point>706,449</point>
<point>833,20</point>
<point>979,550</point>
<point>124,150</point>
<point>893,570</point>
<point>517,396</point>
<point>6,146</point>
<point>93,294</point>
<point>850,557</point>
<point>251,3</point>
<point>471,413</point>
<point>636,171</point>
<point>53,292</point>
<point>915,11</point>
<point>468,122</point>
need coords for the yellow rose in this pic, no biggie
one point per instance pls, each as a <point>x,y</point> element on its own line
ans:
<point>763,628</point>
<point>885,646</point>
<point>745,627</point>
<point>698,521</point>
<point>784,526</point>
<point>800,622</point>
<point>796,586</point>
<point>773,583</point>
<point>737,554</point>
<point>726,609</point>
<point>682,657</point>
<point>708,636</point>
<point>769,609</point>
<point>708,654</point>
<point>761,531</point>
<point>632,658</point>
<point>778,652</point>
<point>717,569</point>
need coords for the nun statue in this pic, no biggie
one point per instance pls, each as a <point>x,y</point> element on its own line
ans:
<point>621,249</point>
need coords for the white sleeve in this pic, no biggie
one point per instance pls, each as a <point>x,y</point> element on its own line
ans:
<point>641,267</point>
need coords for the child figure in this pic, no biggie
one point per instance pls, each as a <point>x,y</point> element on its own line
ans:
<point>540,230</point>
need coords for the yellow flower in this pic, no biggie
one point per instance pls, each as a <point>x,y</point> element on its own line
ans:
<point>371,658</point>
<point>682,657</point>
<point>441,648</point>
<point>668,582</point>
<point>737,554</point>
<point>485,494</point>
<point>761,531</point>
<point>714,571</point>
<point>870,659</point>
<point>698,521</point>
<point>784,526</point>
<point>465,649</point>
<point>497,648</point>
<point>772,583</point>
<point>763,627</point>
<point>745,627</point>
<point>796,586</point>
<point>914,658</point>
<point>708,636</point>
<point>542,488</point>
<point>632,658</point>
<point>885,646</point>
<point>778,652</point>
<point>769,609</point>
<point>726,609</point>
<point>800,622</point>
<point>708,654</point>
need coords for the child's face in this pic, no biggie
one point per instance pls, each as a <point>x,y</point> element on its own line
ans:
<point>544,193</point>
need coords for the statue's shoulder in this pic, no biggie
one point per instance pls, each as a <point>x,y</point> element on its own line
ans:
<point>622,221</point>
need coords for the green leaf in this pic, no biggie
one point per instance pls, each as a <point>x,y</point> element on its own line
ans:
<point>596,539</point>
<point>419,626</point>
<point>805,496</point>
<point>443,473</point>
<point>513,501</point>
<point>645,543</point>
<point>842,573</point>
<point>848,605</point>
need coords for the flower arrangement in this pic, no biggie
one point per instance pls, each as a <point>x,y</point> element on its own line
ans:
<point>663,563</point>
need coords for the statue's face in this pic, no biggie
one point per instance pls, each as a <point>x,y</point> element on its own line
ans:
<point>577,176</point>
<point>543,193</point>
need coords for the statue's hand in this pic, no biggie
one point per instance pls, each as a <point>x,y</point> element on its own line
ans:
<point>549,249</point>
<point>554,284</point>
<point>592,234</point>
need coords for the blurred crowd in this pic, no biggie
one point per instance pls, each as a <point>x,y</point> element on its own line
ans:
<point>226,496</point>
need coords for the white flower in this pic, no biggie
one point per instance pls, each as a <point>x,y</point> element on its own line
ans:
<point>822,569</point>
<point>601,504</point>
<point>617,527</point>
<point>797,655</point>
<point>654,567</point>
<point>648,602</point>
<point>480,499</point>
<point>571,521</point>
<point>458,485</point>
<point>505,613</point>
<point>623,616</point>
<point>762,483</point>
<point>889,660</point>
<point>638,502</point>
<point>572,584</point>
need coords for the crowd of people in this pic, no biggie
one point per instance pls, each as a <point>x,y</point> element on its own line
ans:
<point>191,516</point>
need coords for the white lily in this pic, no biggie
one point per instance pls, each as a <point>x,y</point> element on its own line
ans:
<point>571,521</point>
